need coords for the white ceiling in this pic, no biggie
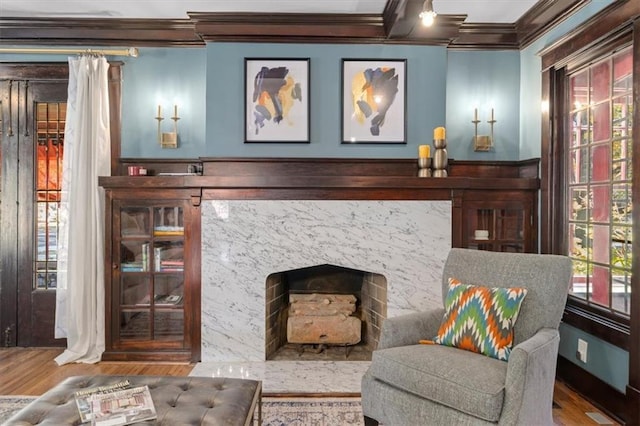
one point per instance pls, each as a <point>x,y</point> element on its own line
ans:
<point>486,11</point>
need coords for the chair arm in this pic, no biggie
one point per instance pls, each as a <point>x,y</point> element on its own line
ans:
<point>408,329</point>
<point>531,372</point>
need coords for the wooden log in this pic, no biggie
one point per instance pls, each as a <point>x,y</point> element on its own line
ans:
<point>334,330</point>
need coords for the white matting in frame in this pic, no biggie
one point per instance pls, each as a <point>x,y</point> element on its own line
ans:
<point>374,101</point>
<point>276,100</point>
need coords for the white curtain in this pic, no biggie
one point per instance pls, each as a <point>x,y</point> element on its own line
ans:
<point>87,145</point>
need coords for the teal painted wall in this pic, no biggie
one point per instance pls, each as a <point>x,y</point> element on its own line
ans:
<point>166,77</point>
<point>426,81</point>
<point>605,361</point>
<point>483,80</point>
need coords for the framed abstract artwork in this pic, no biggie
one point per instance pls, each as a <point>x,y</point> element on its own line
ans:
<point>374,101</point>
<point>276,100</point>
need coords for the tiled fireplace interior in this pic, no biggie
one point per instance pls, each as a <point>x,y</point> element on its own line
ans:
<point>370,290</point>
<point>246,241</point>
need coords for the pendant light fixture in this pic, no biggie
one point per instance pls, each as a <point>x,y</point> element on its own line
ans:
<point>428,15</point>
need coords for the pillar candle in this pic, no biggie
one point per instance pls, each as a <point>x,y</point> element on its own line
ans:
<point>439,133</point>
<point>175,110</point>
<point>424,151</point>
<point>159,111</point>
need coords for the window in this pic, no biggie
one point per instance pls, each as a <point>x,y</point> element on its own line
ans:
<point>48,151</point>
<point>599,181</point>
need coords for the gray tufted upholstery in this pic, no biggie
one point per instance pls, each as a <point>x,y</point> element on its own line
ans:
<point>410,384</point>
<point>178,400</point>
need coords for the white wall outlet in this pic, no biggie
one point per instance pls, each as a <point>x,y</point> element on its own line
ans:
<point>581,354</point>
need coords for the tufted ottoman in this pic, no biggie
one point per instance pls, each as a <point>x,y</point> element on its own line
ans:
<point>178,400</point>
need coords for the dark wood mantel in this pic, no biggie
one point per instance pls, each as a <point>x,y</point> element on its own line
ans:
<point>321,178</point>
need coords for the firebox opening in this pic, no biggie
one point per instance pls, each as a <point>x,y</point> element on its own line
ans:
<point>331,288</point>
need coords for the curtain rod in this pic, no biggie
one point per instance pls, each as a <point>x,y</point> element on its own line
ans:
<point>132,51</point>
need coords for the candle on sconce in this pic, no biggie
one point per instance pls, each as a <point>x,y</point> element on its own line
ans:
<point>492,114</point>
<point>159,111</point>
<point>424,151</point>
<point>175,110</point>
<point>439,133</point>
<point>475,114</point>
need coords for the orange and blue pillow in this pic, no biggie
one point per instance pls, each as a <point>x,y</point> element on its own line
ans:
<point>480,319</point>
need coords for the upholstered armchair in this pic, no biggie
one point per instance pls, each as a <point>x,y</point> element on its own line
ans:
<point>433,384</point>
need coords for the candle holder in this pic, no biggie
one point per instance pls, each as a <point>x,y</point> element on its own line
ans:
<point>424,167</point>
<point>440,158</point>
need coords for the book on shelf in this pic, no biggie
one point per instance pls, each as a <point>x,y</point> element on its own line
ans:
<point>168,299</point>
<point>83,398</point>
<point>159,231</point>
<point>122,407</point>
<point>145,256</point>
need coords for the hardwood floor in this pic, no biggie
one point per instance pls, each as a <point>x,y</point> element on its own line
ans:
<point>33,371</point>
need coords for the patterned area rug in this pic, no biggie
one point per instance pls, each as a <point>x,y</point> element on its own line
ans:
<point>311,411</point>
<point>281,411</point>
<point>11,404</point>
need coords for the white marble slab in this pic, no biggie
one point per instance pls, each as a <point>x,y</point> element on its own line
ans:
<point>292,377</point>
<point>243,242</point>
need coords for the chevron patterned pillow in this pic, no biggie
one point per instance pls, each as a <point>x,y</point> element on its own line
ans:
<point>480,319</point>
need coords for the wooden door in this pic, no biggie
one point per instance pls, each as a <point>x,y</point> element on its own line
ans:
<point>33,118</point>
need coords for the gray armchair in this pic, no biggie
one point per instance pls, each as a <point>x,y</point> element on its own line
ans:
<point>412,384</point>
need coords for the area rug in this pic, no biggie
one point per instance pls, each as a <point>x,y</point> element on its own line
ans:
<point>307,411</point>
<point>276,411</point>
<point>11,404</point>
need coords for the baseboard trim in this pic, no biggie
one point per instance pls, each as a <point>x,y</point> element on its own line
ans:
<point>633,402</point>
<point>599,393</point>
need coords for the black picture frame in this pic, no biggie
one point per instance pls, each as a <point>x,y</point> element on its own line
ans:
<point>374,101</point>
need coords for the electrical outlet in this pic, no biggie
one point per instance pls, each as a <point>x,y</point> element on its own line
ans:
<point>581,353</point>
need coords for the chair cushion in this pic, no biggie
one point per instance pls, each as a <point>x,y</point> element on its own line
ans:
<point>463,380</point>
<point>480,319</point>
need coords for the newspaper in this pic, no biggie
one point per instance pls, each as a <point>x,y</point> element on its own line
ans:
<point>82,398</point>
<point>122,407</point>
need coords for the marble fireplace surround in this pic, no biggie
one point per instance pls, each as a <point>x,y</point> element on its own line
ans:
<point>244,241</point>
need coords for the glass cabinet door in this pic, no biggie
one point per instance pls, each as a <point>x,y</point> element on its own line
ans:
<point>151,274</point>
<point>497,226</point>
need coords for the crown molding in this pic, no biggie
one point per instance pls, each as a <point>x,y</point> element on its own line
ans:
<point>98,32</point>
<point>543,16</point>
<point>486,36</point>
<point>285,27</point>
<point>398,24</point>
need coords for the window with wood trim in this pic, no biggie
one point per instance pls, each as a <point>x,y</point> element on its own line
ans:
<point>48,168</point>
<point>599,181</point>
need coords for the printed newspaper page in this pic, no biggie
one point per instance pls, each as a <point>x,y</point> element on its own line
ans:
<point>123,407</point>
<point>82,397</point>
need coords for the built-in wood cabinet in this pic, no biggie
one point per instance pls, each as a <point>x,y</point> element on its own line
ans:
<point>153,228</point>
<point>499,220</point>
<point>153,276</point>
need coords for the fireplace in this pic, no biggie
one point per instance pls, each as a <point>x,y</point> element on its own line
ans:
<point>405,243</point>
<point>370,308</point>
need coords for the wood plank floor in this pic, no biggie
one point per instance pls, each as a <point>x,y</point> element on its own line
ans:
<point>33,371</point>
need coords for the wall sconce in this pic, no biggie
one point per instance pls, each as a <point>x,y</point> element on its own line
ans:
<point>428,15</point>
<point>483,142</point>
<point>168,139</point>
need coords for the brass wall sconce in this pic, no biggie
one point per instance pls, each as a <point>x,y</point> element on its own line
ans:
<point>168,139</point>
<point>483,143</point>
